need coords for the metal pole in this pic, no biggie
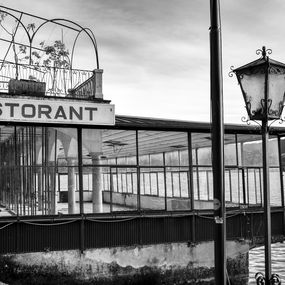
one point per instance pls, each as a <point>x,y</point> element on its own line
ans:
<point>80,178</point>
<point>217,143</point>
<point>266,193</point>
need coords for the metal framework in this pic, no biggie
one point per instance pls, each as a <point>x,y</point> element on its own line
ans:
<point>58,80</point>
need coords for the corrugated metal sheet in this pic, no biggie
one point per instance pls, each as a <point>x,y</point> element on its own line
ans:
<point>43,235</point>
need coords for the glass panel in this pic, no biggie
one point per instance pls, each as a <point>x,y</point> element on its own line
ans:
<point>276,89</point>
<point>252,83</point>
<point>234,184</point>
<point>33,167</point>
<point>109,148</point>
<point>204,156</point>
<point>253,186</point>
<point>120,193</point>
<point>230,150</point>
<point>203,188</point>
<point>155,149</point>
<point>273,151</point>
<point>112,147</point>
<point>172,158</point>
<point>275,186</point>
<point>250,148</point>
<point>153,144</point>
<point>152,189</point>
<point>156,159</point>
<point>177,185</point>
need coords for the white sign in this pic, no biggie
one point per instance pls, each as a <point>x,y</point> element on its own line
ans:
<point>56,111</point>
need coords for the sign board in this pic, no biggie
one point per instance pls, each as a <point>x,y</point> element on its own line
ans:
<point>56,111</point>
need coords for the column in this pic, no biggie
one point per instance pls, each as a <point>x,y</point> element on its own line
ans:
<point>97,200</point>
<point>97,83</point>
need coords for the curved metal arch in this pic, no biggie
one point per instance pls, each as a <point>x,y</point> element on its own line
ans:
<point>86,30</point>
<point>82,29</point>
<point>18,19</point>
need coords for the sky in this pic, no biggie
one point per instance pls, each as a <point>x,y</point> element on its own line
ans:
<point>155,53</point>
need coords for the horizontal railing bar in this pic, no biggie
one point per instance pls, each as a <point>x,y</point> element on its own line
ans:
<point>132,214</point>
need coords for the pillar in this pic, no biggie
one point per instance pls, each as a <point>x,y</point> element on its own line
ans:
<point>97,200</point>
<point>71,185</point>
<point>97,83</point>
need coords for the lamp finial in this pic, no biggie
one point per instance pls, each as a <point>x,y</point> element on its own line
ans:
<point>263,51</point>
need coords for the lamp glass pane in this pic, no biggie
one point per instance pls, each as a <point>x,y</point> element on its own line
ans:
<point>253,84</point>
<point>276,89</point>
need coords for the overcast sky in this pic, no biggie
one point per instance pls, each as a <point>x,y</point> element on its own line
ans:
<point>155,53</point>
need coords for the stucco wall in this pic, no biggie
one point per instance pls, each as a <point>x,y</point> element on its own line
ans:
<point>174,263</point>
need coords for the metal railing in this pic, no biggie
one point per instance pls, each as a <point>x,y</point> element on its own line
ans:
<point>243,185</point>
<point>58,80</point>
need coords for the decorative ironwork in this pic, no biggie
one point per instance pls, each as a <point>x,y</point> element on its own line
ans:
<point>263,52</point>
<point>58,80</point>
<point>231,72</point>
<point>276,70</point>
<point>262,111</point>
<point>27,59</point>
<point>248,121</point>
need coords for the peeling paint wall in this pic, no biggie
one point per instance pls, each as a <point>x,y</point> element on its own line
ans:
<point>174,263</point>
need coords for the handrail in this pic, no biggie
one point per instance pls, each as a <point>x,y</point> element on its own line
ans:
<point>58,80</point>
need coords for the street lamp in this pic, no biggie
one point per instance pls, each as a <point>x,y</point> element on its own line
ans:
<point>262,83</point>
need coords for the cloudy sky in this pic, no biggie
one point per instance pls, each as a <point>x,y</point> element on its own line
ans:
<point>155,53</point>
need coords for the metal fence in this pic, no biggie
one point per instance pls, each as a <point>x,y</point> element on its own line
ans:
<point>58,80</point>
<point>64,233</point>
<point>243,184</point>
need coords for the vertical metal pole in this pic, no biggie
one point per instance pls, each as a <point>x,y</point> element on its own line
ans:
<point>191,187</point>
<point>165,182</point>
<point>138,173</point>
<point>266,186</point>
<point>281,171</point>
<point>80,170</point>
<point>80,178</point>
<point>217,143</point>
<point>266,193</point>
<point>190,165</point>
<point>111,189</point>
<point>197,173</point>
<point>281,180</point>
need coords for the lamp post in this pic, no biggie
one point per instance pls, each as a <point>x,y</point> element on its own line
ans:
<point>262,83</point>
<point>217,117</point>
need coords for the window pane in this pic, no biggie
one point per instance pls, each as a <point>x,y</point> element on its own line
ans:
<point>35,177</point>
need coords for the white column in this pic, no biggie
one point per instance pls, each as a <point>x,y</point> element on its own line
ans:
<point>97,200</point>
<point>97,83</point>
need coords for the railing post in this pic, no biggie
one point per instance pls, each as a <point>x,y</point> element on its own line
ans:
<point>97,81</point>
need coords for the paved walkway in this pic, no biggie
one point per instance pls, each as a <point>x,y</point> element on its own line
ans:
<point>62,208</point>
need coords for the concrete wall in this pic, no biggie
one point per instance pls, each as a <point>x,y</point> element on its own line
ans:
<point>174,263</point>
<point>154,202</point>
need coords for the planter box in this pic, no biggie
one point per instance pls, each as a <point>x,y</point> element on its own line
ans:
<point>26,87</point>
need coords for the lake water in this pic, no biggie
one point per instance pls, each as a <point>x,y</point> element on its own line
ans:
<point>256,261</point>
